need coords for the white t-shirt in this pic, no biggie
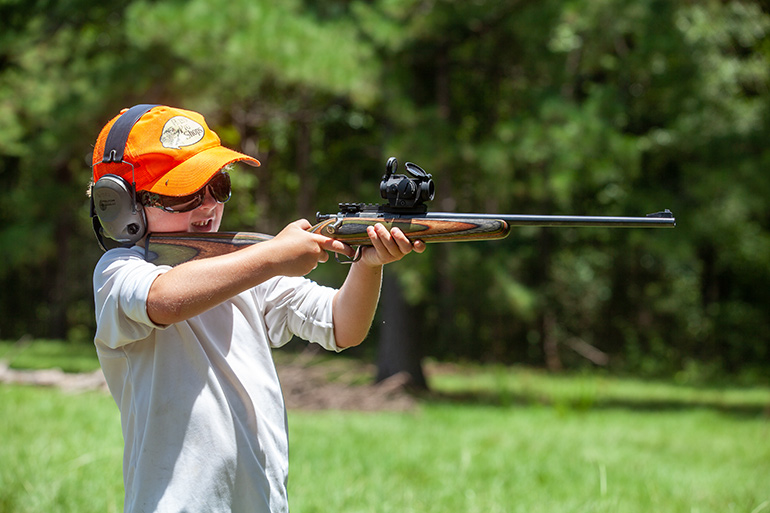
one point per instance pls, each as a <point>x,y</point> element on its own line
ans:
<point>203,416</point>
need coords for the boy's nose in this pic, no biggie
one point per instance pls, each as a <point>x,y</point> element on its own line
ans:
<point>208,199</point>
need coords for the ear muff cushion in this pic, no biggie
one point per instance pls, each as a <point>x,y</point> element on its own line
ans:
<point>115,206</point>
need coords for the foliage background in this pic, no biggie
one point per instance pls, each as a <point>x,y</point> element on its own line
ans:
<point>613,107</point>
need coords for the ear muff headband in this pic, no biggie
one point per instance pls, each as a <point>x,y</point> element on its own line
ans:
<point>118,216</point>
<point>115,145</point>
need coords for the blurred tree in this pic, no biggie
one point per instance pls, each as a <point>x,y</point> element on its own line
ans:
<point>57,75</point>
<point>582,107</point>
<point>269,79</point>
<point>277,75</point>
<point>585,107</point>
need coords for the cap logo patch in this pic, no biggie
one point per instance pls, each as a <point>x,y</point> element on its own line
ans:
<point>181,131</point>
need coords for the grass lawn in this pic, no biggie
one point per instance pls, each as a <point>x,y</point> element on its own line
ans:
<point>46,354</point>
<point>60,452</point>
<point>490,439</point>
<point>518,440</point>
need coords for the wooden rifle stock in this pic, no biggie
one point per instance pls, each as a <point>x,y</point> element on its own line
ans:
<point>179,247</point>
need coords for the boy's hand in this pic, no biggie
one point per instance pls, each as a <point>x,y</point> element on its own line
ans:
<point>297,251</point>
<point>387,246</point>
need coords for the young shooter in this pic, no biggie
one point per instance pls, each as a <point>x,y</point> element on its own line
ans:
<point>186,350</point>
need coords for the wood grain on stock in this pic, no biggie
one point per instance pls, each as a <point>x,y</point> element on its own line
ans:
<point>175,248</point>
<point>353,229</point>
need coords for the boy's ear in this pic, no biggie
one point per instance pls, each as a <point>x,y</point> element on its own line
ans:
<point>115,211</point>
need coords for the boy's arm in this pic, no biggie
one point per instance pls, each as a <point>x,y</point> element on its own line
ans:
<point>356,301</point>
<point>196,286</point>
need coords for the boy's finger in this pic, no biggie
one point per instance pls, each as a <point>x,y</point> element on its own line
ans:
<point>303,224</point>
<point>323,257</point>
<point>404,244</point>
<point>337,246</point>
<point>383,241</point>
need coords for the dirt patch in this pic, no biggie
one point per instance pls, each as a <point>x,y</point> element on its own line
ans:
<point>306,389</point>
<point>53,378</point>
<point>307,385</point>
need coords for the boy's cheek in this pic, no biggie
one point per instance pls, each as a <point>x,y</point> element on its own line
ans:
<point>159,221</point>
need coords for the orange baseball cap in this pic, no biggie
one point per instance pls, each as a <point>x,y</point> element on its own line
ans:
<point>173,151</point>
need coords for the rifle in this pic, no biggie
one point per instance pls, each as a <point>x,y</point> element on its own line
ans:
<point>406,209</point>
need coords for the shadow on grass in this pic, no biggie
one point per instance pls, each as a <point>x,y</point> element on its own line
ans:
<point>506,399</point>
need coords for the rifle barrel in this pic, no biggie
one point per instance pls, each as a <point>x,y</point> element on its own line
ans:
<point>664,219</point>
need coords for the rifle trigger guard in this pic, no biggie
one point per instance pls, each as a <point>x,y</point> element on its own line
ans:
<point>356,257</point>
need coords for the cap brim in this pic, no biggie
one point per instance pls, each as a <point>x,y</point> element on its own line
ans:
<point>192,174</point>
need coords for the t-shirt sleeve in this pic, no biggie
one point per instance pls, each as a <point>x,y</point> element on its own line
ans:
<point>301,307</point>
<point>122,281</point>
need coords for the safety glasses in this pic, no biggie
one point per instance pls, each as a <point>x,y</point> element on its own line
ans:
<point>218,186</point>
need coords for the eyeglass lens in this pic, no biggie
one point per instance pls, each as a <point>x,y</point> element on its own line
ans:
<point>220,189</point>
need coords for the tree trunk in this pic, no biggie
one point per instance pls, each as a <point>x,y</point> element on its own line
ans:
<point>550,343</point>
<point>58,292</point>
<point>548,319</point>
<point>307,182</point>
<point>398,350</point>
<point>61,273</point>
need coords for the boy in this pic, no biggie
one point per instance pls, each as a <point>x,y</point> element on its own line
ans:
<point>186,350</point>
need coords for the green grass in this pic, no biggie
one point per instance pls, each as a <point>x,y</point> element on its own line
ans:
<point>46,354</point>
<point>490,439</point>
<point>507,386</point>
<point>532,459</point>
<point>59,452</point>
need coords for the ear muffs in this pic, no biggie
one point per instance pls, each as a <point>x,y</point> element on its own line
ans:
<point>114,209</point>
<point>115,212</point>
